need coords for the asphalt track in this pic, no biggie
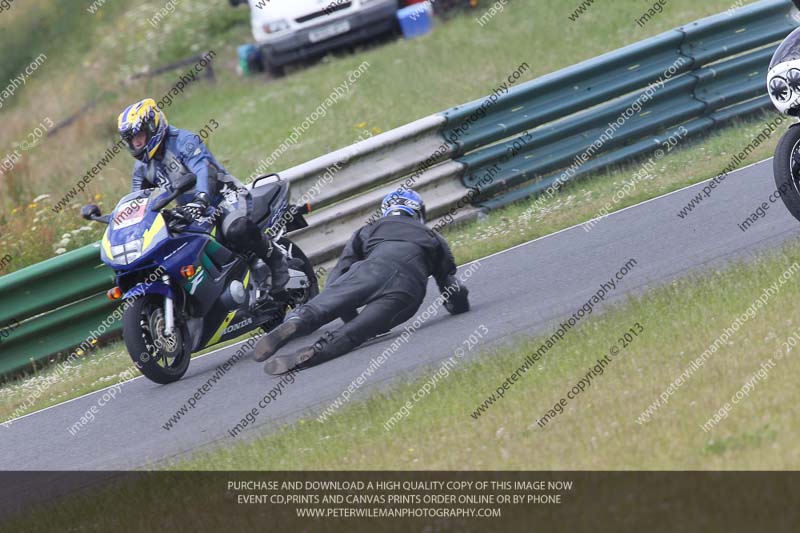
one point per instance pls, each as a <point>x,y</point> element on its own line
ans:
<point>522,291</point>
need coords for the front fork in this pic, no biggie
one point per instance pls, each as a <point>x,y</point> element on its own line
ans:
<point>169,310</point>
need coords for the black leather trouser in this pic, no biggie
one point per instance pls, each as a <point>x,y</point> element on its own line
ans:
<point>391,296</point>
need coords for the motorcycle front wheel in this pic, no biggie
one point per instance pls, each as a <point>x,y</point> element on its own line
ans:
<point>162,359</point>
<point>786,169</point>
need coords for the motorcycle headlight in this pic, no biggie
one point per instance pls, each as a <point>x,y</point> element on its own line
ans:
<point>127,253</point>
<point>276,25</point>
<point>793,79</point>
<point>779,89</point>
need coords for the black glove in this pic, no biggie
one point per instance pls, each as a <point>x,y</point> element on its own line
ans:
<point>458,301</point>
<point>197,208</point>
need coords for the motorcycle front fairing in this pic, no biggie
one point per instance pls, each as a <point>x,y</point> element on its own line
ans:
<point>137,242</point>
<point>142,249</point>
<point>783,77</point>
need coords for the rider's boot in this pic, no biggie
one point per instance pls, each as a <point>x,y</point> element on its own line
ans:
<point>328,347</point>
<point>279,269</point>
<point>281,364</point>
<point>270,262</point>
<point>260,276</point>
<point>272,342</point>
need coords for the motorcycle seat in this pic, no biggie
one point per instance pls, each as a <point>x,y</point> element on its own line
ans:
<point>264,197</point>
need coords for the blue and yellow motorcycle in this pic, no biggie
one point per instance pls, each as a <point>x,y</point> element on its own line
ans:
<point>182,289</point>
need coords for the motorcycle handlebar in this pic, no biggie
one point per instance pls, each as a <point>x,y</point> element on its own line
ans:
<point>181,185</point>
<point>158,205</point>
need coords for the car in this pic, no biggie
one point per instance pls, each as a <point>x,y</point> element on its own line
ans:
<point>289,31</point>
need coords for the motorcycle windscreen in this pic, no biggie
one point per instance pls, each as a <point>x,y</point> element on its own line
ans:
<point>133,228</point>
<point>133,208</point>
<point>129,213</point>
<point>789,50</point>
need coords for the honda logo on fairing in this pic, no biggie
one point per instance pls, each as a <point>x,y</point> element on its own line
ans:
<point>237,327</point>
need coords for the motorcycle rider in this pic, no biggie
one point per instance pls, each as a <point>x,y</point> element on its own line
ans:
<point>384,266</point>
<point>164,152</point>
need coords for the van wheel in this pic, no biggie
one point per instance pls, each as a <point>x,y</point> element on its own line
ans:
<point>276,71</point>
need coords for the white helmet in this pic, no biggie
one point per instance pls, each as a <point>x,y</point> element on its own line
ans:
<point>783,78</point>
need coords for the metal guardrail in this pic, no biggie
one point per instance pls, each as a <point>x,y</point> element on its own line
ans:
<point>718,73</point>
<point>56,303</point>
<point>718,67</point>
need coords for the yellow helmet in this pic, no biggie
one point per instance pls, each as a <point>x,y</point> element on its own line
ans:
<point>143,116</point>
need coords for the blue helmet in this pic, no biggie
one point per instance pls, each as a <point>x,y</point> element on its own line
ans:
<point>143,116</point>
<point>404,201</point>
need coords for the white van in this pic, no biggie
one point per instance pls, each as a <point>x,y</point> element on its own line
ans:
<point>293,30</point>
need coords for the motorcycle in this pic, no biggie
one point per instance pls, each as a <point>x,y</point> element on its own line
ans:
<point>181,288</point>
<point>783,82</point>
